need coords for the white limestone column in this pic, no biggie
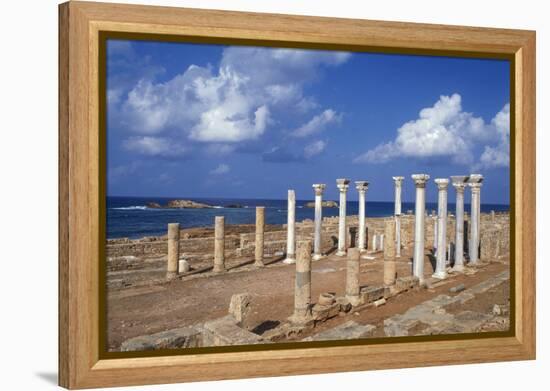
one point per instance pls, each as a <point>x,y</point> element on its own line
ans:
<point>435,232</point>
<point>398,186</point>
<point>441,258</point>
<point>291,229</point>
<point>318,188</point>
<point>419,228</point>
<point>343,185</point>
<point>362,187</point>
<point>397,212</point>
<point>459,183</point>
<point>474,182</point>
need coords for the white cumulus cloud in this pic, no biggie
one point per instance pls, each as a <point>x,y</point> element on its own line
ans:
<point>443,130</point>
<point>318,123</point>
<point>154,146</point>
<point>236,102</point>
<point>499,155</point>
<point>315,148</point>
<point>220,170</point>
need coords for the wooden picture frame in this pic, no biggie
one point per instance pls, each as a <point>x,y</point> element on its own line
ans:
<point>81,362</point>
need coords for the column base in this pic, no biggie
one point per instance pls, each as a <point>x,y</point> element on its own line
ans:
<point>290,261</point>
<point>458,268</point>
<point>317,257</point>
<point>171,275</point>
<point>341,253</point>
<point>355,301</point>
<point>440,275</point>
<point>258,264</point>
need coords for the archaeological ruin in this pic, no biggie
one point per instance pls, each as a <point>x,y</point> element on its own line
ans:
<point>343,277</point>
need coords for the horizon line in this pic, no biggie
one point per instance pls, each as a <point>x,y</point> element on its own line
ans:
<point>279,199</point>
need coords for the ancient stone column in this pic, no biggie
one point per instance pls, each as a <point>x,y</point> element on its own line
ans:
<point>398,186</point>
<point>302,286</point>
<point>435,218</point>
<point>343,185</point>
<point>352,277</point>
<point>260,227</point>
<point>219,244</point>
<point>173,250</point>
<point>441,258</point>
<point>362,187</point>
<point>317,252</point>
<point>419,229</point>
<point>291,229</point>
<point>389,253</point>
<point>474,182</point>
<point>459,183</point>
<point>374,242</point>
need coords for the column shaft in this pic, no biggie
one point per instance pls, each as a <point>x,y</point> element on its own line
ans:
<point>459,239</point>
<point>419,228</point>
<point>440,268</point>
<point>342,185</point>
<point>291,229</point>
<point>317,251</point>
<point>260,227</point>
<point>352,276</point>
<point>474,226</point>
<point>173,250</point>
<point>302,286</point>
<point>362,226</point>
<point>389,252</point>
<point>219,244</point>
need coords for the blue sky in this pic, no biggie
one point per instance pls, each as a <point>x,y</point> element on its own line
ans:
<point>188,120</point>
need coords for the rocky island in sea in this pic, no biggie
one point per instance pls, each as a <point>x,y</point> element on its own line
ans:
<point>324,204</point>
<point>179,204</point>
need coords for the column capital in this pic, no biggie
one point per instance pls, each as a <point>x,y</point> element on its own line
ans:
<point>319,188</point>
<point>362,186</point>
<point>420,179</point>
<point>475,182</point>
<point>459,182</point>
<point>475,178</point>
<point>442,183</point>
<point>342,184</point>
<point>398,180</point>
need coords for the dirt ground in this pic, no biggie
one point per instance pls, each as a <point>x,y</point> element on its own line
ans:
<point>140,310</point>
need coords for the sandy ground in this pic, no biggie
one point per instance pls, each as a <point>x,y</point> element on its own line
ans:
<point>149,309</point>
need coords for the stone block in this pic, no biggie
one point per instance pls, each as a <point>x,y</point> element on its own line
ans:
<point>321,313</point>
<point>183,266</point>
<point>185,337</point>
<point>239,307</point>
<point>370,294</point>
<point>345,305</point>
<point>225,331</point>
<point>348,330</point>
<point>326,299</point>
<point>380,302</point>
<point>458,288</point>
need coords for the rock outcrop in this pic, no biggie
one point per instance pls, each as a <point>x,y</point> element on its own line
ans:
<point>180,204</point>
<point>153,205</point>
<point>325,204</point>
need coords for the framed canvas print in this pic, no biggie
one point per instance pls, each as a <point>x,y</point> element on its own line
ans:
<point>247,195</point>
